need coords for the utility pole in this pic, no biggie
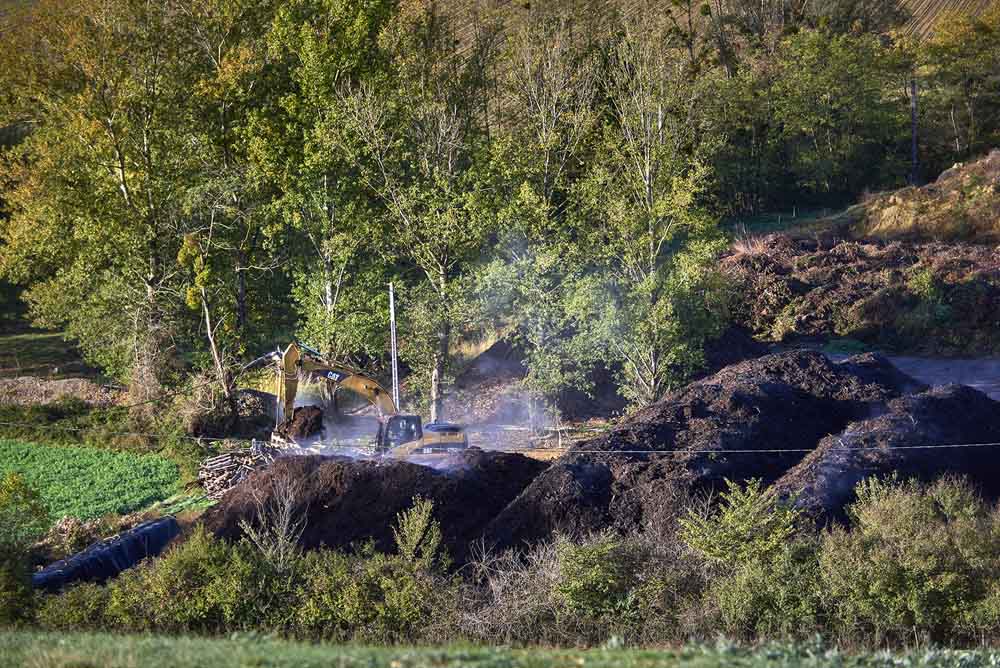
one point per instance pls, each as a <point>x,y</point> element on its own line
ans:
<point>392,337</point>
<point>914,161</point>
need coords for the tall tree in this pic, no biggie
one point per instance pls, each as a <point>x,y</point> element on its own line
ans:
<point>651,234</point>
<point>417,143</point>
<point>322,47</point>
<point>95,189</point>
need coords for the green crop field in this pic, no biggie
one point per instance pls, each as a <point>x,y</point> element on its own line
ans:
<point>43,650</point>
<point>86,482</point>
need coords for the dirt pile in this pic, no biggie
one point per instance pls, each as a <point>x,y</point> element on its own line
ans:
<point>352,501</point>
<point>752,419</point>
<point>963,203</point>
<point>886,443</point>
<point>919,298</point>
<point>305,421</point>
<point>29,391</point>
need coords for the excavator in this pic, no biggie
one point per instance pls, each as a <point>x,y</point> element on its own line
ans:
<point>398,435</point>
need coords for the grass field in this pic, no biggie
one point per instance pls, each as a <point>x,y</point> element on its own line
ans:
<point>46,650</point>
<point>86,482</point>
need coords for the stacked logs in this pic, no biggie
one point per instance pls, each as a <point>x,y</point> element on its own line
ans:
<point>221,473</point>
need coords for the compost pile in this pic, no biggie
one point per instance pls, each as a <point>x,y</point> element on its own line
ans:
<point>304,422</point>
<point>784,418</point>
<point>750,420</point>
<point>928,298</point>
<point>952,415</point>
<point>347,502</point>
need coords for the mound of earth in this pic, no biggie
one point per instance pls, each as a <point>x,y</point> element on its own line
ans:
<point>916,298</point>
<point>962,204</point>
<point>349,501</point>
<point>305,421</point>
<point>29,391</point>
<point>753,419</point>
<point>824,481</point>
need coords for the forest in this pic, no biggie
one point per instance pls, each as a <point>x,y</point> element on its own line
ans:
<point>186,184</point>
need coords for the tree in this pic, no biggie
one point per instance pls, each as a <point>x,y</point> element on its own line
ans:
<point>321,47</point>
<point>547,118</point>
<point>417,143</point>
<point>650,234</point>
<point>841,103</point>
<point>961,61</point>
<point>95,189</point>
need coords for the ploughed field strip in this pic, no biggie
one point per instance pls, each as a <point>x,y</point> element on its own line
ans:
<point>796,419</point>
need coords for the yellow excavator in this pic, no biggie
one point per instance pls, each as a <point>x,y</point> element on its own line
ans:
<point>398,435</point>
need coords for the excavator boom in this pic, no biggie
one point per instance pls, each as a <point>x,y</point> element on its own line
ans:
<point>298,359</point>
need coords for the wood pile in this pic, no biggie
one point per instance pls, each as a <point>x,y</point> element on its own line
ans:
<point>221,473</point>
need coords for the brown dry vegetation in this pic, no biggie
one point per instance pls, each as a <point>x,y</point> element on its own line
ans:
<point>926,298</point>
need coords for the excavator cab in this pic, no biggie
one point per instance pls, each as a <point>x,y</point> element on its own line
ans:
<point>398,430</point>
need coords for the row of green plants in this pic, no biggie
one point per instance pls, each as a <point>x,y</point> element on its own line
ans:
<point>913,563</point>
<point>161,429</point>
<point>88,483</point>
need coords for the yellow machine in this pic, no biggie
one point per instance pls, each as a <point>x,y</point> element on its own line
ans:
<point>398,435</point>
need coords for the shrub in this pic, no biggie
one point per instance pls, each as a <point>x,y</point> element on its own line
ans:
<point>918,559</point>
<point>749,524</point>
<point>596,577</point>
<point>777,595</point>
<point>79,608</point>
<point>513,597</point>
<point>23,518</point>
<point>201,584</point>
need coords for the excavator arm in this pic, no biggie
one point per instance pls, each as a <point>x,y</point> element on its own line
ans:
<point>298,359</point>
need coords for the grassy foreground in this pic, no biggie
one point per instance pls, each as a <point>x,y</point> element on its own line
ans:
<point>87,483</point>
<point>49,650</point>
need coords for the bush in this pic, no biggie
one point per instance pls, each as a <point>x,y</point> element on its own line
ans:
<point>596,577</point>
<point>776,596</point>
<point>918,559</point>
<point>79,608</point>
<point>23,518</point>
<point>749,524</point>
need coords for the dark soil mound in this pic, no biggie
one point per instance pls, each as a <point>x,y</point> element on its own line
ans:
<point>305,421</point>
<point>735,345</point>
<point>351,501</point>
<point>951,415</point>
<point>753,419</point>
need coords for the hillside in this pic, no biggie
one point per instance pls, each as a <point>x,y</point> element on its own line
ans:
<point>926,12</point>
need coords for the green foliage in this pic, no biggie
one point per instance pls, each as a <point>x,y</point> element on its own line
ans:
<point>418,536</point>
<point>749,523</point>
<point>78,608</point>
<point>23,518</point>
<point>960,60</point>
<point>776,595</point>
<point>838,100</point>
<point>88,483</point>
<point>596,578</point>
<point>918,556</point>
<point>240,650</point>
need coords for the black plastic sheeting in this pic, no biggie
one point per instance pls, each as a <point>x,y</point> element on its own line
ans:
<point>106,559</point>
